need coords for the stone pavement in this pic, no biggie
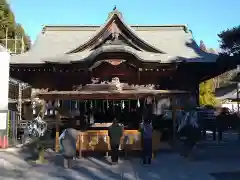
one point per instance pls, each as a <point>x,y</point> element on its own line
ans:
<point>166,166</point>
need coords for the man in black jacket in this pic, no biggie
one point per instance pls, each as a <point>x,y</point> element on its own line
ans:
<point>115,132</point>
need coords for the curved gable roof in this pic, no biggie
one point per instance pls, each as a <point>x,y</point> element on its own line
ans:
<point>57,41</point>
<point>115,24</point>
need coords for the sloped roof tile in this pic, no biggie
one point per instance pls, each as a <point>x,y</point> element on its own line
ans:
<point>57,41</point>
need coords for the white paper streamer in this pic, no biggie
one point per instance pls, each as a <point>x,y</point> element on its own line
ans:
<point>105,139</point>
<point>138,104</point>
<point>123,105</point>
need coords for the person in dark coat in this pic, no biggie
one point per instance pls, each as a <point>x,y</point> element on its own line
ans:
<point>190,129</point>
<point>61,137</point>
<point>115,132</point>
<point>146,131</point>
<point>69,145</point>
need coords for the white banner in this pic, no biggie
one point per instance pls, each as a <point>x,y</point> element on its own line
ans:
<point>4,80</point>
<point>3,121</point>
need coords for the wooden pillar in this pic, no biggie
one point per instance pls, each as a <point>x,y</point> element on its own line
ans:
<point>197,93</point>
<point>174,116</point>
<point>80,144</point>
<point>139,76</point>
<point>57,131</point>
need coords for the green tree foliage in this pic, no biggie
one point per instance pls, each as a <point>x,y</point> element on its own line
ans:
<point>230,45</point>
<point>207,88</point>
<point>230,41</point>
<point>206,93</point>
<point>202,46</point>
<point>13,29</point>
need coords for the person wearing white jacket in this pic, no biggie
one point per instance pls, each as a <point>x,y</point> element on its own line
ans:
<point>189,128</point>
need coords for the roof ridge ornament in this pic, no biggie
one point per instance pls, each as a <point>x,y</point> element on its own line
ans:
<point>115,11</point>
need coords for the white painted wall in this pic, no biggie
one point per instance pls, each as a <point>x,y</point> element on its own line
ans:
<point>4,83</point>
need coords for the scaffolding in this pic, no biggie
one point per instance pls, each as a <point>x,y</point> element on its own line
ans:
<point>18,91</point>
<point>18,48</point>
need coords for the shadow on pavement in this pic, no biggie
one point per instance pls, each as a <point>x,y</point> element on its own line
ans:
<point>218,152</point>
<point>226,175</point>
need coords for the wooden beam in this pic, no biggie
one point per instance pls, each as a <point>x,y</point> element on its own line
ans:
<point>114,95</point>
<point>57,131</point>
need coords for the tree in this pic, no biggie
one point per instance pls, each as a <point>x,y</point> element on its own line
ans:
<point>13,30</point>
<point>211,50</point>
<point>207,88</point>
<point>202,46</point>
<point>37,130</point>
<point>19,32</point>
<point>230,41</point>
<point>206,93</point>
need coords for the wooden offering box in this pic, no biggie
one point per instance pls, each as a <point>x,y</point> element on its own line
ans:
<point>98,140</point>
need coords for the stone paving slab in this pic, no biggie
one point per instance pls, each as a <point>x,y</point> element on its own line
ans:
<point>166,166</point>
<point>169,167</point>
<point>227,175</point>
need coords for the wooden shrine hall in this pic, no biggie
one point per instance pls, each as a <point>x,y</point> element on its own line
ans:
<point>115,61</point>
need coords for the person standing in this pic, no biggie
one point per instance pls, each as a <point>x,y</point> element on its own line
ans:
<point>115,132</point>
<point>69,146</point>
<point>61,137</point>
<point>146,128</point>
<point>189,129</point>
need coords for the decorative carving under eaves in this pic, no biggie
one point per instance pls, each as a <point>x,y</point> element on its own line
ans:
<point>39,106</point>
<point>133,87</point>
<point>115,62</point>
<point>35,91</point>
<point>77,87</point>
<point>116,82</point>
<point>95,80</point>
<point>115,31</point>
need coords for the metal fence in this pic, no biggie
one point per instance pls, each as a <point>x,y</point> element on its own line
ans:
<point>12,130</point>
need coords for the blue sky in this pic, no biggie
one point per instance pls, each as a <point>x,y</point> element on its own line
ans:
<point>206,18</point>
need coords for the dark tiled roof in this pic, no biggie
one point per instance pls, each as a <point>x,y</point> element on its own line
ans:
<point>227,92</point>
<point>57,41</point>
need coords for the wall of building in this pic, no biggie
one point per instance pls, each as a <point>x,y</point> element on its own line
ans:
<point>4,82</point>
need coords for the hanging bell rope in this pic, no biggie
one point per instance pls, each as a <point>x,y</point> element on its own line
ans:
<point>103,107</point>
<point>123,105</point>
<point>138,104</point>
<point>76,108</point>
<point>154,106</point>
<point>75,105</point>
<point>91,105</point>
<point>129,105</point>
<point>58,103</point>
<point>85,106</point>
<point>95,104</point>
<point>107,104</point>
<point>113,104</point>
<point>70,106</point>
